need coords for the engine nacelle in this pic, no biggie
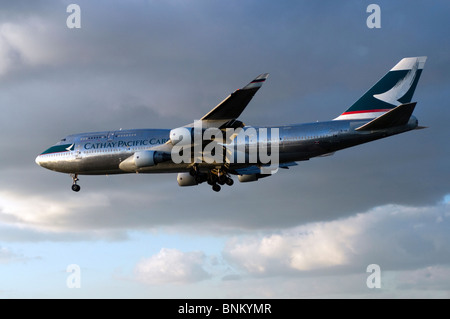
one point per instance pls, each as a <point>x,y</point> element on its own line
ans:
<point>186,179</point>
<point>144,159</point>
<point>185,134</point>
<point>149,158</point>
<point>248,178</point>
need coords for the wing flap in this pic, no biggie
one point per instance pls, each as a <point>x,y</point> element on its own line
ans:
<point>255,169</point>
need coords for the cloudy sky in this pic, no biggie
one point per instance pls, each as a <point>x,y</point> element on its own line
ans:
<point>307,232</point>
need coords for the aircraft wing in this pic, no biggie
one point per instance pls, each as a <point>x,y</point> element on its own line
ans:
<point>229,109</point>
<point>255,169</point>
<point>225,114</point>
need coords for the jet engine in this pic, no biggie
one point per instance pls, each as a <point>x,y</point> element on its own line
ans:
<point>186,179</point>
<point>144,159</point>
<point>248,178</point>
<point>150,158</point>
<point>185,134</point>
<point>251,177</point>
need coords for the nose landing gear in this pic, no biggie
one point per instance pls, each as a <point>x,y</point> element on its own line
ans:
<point>75,186</point>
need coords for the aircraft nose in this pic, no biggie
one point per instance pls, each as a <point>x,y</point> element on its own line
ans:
<point>38,160</point>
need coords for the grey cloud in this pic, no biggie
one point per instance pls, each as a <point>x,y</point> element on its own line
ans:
<point>394,237</point>
<point>426,282</point>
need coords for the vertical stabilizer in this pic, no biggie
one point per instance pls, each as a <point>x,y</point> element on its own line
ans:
<point>395,88</point>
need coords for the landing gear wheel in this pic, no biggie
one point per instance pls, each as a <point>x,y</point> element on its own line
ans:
<point>216,188</point>
<point>194,170</point>
<point>198,179</point>
<point>75,186</point>
<point>222,179</point>
<point>212,180</point>
<point>229,182</point>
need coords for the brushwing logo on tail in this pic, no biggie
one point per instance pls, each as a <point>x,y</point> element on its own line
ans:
<point>401,88</point>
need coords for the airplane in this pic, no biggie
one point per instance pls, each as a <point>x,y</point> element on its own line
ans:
<point>384,110</point>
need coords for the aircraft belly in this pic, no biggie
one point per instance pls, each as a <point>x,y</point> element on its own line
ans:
<point>298,151</point>
<point>79,164</point>
<point>100,164</point>
<point>167,167</point>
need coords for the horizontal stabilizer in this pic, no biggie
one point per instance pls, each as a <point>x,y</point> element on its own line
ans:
<point>396,117</point>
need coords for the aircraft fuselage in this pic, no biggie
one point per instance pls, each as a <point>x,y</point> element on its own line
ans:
<point>101,153</point>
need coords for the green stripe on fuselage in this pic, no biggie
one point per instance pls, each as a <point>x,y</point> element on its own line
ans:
<point>57,149</point>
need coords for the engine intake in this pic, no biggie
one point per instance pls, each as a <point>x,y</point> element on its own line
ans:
<point>185,135</point>
<point>182,134</point>
<point>186,179</point>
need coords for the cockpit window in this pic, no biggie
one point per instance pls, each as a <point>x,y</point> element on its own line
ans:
<point>63,140</point>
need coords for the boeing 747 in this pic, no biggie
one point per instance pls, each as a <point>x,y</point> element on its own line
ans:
<point>219,145</point>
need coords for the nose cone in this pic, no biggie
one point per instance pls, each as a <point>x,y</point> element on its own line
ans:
<point>38,160</point>
<point>42,161</point>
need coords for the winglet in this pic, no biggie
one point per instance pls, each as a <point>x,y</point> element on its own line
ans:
<point>257,82</point>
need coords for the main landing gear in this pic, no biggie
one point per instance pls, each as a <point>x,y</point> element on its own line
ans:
<point>75,186</point>
<point>215,177</point>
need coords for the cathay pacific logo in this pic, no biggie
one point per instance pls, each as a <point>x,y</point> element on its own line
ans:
<point>401,88</point>
<point>70,148</point>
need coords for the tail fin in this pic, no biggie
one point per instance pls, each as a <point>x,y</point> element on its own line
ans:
<point>395,88</point>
